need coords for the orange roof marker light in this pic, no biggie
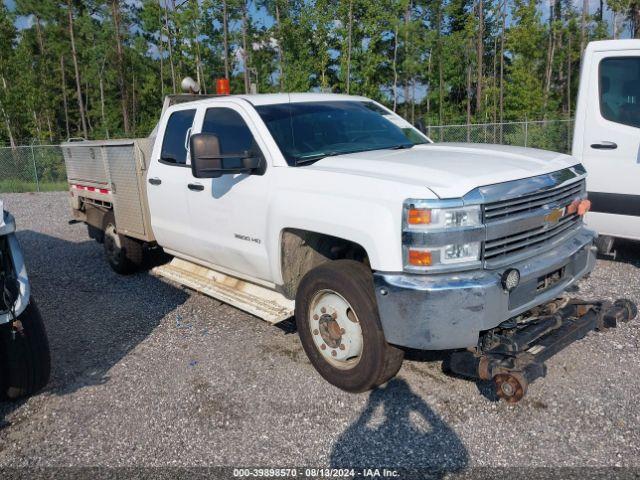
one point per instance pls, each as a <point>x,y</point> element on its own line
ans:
<point>222,86</point>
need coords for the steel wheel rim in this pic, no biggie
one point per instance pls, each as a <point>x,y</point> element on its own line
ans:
<point>335,329</point>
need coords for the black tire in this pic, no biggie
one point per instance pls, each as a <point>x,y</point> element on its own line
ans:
<point>379,361</point>
<point>25,362</point>
<point>124,255</point>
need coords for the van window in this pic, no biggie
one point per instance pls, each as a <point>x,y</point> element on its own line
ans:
<point>620,90</point>
<point>174,150</point>
<point>233,134</point>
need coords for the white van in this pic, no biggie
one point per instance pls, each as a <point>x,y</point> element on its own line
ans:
<point>607,138</point>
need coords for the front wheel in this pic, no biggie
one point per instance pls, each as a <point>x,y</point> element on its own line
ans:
<point>339,327</point>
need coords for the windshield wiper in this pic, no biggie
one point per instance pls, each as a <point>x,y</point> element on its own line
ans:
<point>401,146</point>
<point>319,156</point>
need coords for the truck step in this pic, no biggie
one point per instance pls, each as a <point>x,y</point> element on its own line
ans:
<point>249,297</point>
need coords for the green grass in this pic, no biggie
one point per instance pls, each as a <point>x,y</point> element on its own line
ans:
<point>20,186</point>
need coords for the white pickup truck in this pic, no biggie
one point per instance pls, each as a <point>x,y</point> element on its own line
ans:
<point>336,209</point>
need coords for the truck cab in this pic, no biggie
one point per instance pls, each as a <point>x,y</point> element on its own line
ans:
<point>607,137</point>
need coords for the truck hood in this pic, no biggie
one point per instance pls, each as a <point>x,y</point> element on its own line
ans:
<point>450,170</point>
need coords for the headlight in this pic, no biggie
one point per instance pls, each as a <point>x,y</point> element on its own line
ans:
<point>441,235</point>
<point>421,217</point>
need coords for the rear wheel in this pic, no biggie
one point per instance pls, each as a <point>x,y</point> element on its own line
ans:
<point>123,254</point>
<point>25,363</point>
<point>339,327</point>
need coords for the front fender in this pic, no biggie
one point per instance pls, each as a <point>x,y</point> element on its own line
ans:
<point>366,210</point>
<point>373,226</point>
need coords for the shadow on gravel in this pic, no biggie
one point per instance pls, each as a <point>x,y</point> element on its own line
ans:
<point>93,316</point>
<point>485,388</point>
<point>397,429</point>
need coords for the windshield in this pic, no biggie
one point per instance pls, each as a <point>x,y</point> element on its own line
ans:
<point>306,132</point>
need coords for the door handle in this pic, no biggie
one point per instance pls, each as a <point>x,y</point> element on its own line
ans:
<point>155,181</point>
<point>604,146</point>
<point>196,187</point>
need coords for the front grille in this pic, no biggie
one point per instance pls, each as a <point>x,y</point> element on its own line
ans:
<point>521,241</point>
<point>537,205</point>
<point>515,206</point>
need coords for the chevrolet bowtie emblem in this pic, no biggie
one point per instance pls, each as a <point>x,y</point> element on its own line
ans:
<point>554,215</point>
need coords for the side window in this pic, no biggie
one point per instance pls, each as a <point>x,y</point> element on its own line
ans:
<point>174,148</point>
<point>619,80</point>
<point>233,134</point>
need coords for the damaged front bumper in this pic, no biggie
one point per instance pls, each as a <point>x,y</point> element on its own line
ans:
<point>13,259</point>
<point>448,311</point>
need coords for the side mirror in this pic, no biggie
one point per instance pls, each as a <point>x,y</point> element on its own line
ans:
<point>420,126</point>
<point>208,162</point>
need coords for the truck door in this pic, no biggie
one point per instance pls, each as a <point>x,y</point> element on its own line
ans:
<point>611,143</point>
<point>229,213</point>
<point>169,174</point>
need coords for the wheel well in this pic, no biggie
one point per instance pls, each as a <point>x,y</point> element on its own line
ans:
<point>302,250</point>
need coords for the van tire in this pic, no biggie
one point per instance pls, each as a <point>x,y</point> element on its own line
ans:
<point>25,362</point>
<point>353,282</point>
<point>124,255</point>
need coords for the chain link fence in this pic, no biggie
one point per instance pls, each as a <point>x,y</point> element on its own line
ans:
<point>37,168</point>
<point>555,135</point>
<point>33,168</point>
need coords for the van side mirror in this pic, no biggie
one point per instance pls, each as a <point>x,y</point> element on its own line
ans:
<point>208,162</point>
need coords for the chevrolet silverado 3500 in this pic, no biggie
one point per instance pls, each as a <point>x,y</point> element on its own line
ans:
<point>335,209</point>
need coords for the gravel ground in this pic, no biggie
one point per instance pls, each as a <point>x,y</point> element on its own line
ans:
<point>146,373</point>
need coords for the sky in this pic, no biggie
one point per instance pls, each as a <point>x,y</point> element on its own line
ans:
<point>260,14</point>
<point>21,22</point>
